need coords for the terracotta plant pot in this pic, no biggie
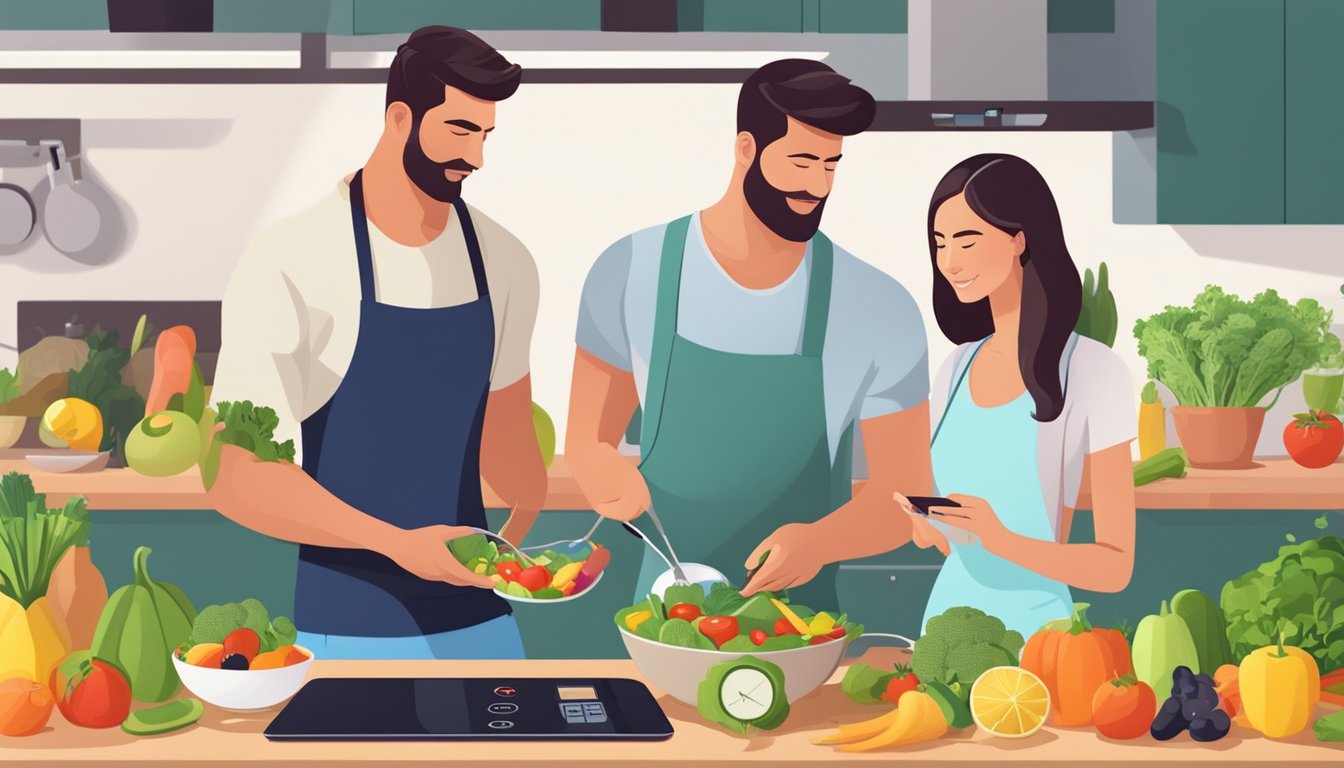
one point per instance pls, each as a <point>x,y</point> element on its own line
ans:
<point>1219,438</point>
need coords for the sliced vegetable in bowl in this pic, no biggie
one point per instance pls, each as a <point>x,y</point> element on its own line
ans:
<point>553,576</point>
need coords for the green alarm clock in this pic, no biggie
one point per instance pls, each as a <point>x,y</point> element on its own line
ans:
<point>742,693</point>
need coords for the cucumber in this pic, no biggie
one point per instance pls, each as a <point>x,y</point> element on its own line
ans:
<point>164,718</point>
<point>1170,462</point>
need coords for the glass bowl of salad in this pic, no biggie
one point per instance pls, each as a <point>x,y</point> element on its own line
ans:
<point>554,576</point>
<point>675,639</point>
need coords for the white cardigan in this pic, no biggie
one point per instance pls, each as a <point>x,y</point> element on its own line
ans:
<point>1099,413</point>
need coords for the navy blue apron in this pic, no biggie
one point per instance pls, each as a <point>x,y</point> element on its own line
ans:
<point>401,440</point>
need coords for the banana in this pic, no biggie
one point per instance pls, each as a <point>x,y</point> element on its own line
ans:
<point>849,734</point>
<point>918,718</point>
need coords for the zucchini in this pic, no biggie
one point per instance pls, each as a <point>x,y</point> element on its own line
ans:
<point>164,718</point>
<point>1170,462</point>
<point>1207,628</point>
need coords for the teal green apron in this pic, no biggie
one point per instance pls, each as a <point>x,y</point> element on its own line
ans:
<point>733,446</point>
<point>991,453</point>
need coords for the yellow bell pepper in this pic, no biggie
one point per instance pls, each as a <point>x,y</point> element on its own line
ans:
<point>566,575</point>
<point>794,620</point>
<point>32,641</point>
<point>821,624</point>
<point>1280,688</point>
<point>633,620</point>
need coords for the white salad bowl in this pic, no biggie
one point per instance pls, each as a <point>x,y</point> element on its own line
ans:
<point>69,461</point>
<point>244,690</point>
<point>678,670</point>
<point>553,600</point>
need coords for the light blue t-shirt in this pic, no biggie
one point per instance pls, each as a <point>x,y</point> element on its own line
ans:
<point>875,360</point>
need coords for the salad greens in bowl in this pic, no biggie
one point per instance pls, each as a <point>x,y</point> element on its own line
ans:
<point>675,639</point>
<point>550,577</point>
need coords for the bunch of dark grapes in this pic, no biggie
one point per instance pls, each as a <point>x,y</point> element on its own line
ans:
<point>1193,706</point>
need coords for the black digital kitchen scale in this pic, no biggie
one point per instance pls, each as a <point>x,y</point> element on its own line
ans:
<point>473,709</point>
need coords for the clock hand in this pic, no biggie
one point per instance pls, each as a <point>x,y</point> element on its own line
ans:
<point>758,685</point>
<point>748,698</point>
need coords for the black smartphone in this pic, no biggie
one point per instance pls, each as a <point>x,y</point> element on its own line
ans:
<point>923,504</point>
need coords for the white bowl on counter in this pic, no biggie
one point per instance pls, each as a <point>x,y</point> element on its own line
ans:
<point>11,429</point>
<point>244,690</point>
<point>69,461</point>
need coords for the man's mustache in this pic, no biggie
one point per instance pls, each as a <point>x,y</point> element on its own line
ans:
<point>803,197</point>
<point>458,165</point>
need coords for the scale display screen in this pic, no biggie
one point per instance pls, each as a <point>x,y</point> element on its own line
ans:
<point>391,709</point>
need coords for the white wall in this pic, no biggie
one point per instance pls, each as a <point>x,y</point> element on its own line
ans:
<point>570,169</point>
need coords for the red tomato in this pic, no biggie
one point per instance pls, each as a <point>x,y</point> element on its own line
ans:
<point>1124,708</point>
<point>243,641</point>
<point>534,578</point>
<point>90,692</point>
<point>905,680</point>
<point>508,570</point>
<point>783,627</point>
<point>758,636</point>
<point>1314,440</point>
<point>719,629</point>
<point>837,634</point>
<point>685,611</point>
<point>819,639</point>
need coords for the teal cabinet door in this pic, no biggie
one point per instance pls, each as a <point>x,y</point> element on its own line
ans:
<point>270,16</point>
<point>740,15</point>
<point>1315,69</point>
<point>374,17</point>
<point>861,16</point>
<point>1220,114</point>
<point>886,598</point>
<point>53,14</point>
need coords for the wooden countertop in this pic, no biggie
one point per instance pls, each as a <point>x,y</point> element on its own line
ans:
<point>1272,484</point>
<point>236,738</point>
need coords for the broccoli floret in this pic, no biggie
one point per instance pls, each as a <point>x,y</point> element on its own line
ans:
<point>962,643</point>
<point>215,622</point>
<point>682,633</point>
<point>257,619</point>
<point>282,632</point>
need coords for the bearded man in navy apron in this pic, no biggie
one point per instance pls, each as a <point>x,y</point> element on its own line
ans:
<point>392,321</point>
<point>755,346</point>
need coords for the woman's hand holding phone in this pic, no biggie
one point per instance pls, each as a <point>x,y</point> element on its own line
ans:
<point>923,534</point>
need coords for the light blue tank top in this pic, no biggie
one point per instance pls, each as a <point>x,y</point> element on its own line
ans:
<point>991,453</point>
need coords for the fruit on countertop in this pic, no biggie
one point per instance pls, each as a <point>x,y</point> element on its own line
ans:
<point>1009,701</point>
<point>1193,706</point>
<point>91,692</point>
<point>1293,591</point>
<point>961,644</point>
<point>1123,708</point>
<point>1208,628</point>
<point>78,594</point>
<point>1314,440</point>
<point>903,680</point>
<point>1152,423</point>
<point>1171,462</point>
<point>165,718</point>
<point>164,444</point>
<point>1161,644</point>
<point>33,539</point>
<point>1280,688</point>
<point>1073,663</point>
<point>76,423</point>
<point>25,706</point>
<point>141,625</point>
<point>917,718</point>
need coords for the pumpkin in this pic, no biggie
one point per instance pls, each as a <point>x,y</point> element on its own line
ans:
<point>1073,663</point>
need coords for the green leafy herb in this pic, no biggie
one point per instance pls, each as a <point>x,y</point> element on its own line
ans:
<point>864,684</point>
<point>693,594</point>
<point>1301,592</point>
<point>1226,352</point>
<point>33,539</point>
<point>251,428</point>
<point>1321,522</point>
<point>9,386</point>
<point>99,382</point>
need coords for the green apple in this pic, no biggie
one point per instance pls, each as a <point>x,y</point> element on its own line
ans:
<point>545,428</point>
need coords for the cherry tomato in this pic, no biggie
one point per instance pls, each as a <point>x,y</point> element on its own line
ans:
<point>685,611</point>
<point>783,627</point>
<point>508,569</point>
<point>905,680</point>
<point>535,578</point>
<point>819,639</point>
<point>719,629</point>
<point>243,641</point>
<point>837,634</point>
<point>758,636</point>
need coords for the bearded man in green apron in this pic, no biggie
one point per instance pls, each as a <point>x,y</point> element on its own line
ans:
<point>754,346</point>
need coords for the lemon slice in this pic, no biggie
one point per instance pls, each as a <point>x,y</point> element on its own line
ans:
<point>1009,701</point>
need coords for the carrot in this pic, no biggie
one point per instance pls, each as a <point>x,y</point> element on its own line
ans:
<point>174,353</point>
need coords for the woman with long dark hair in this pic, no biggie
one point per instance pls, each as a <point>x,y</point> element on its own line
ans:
<point>1020,407</point>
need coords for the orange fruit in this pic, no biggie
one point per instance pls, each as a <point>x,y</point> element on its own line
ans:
<point>74,422</point>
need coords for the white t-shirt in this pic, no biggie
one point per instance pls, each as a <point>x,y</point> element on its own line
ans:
<point>291,309</point>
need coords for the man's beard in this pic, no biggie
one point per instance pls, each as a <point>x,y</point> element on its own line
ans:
<point>429,175</point>
<point>771,206</point>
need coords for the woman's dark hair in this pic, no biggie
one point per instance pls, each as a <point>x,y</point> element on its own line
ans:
<point>433,57</point>
<point>1011,194</point>
<point>807,91</point>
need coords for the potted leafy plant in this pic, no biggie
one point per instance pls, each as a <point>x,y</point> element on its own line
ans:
<point>11,427</point>
<point>1222,357</point>
<point>160,15</point>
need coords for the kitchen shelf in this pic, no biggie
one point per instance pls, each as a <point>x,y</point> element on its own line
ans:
<point>1058,115</point>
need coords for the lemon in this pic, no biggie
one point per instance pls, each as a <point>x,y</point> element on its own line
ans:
<point>76,422</point>
<point>1009,701</point>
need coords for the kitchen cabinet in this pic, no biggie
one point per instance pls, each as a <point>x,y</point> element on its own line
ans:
<point>1220,113</point>
<point>740,15</point>
<point>1315,113</point>
<point>374,17</point>
<point>269,16</point>
<point>1069,16</point>
<point>860,16</point>
<point>54,14</point>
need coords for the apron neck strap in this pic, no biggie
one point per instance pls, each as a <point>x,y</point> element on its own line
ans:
<point>818,296</point>
<point>363,251</point>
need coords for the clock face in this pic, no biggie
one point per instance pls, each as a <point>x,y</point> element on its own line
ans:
<point>747,693</point>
